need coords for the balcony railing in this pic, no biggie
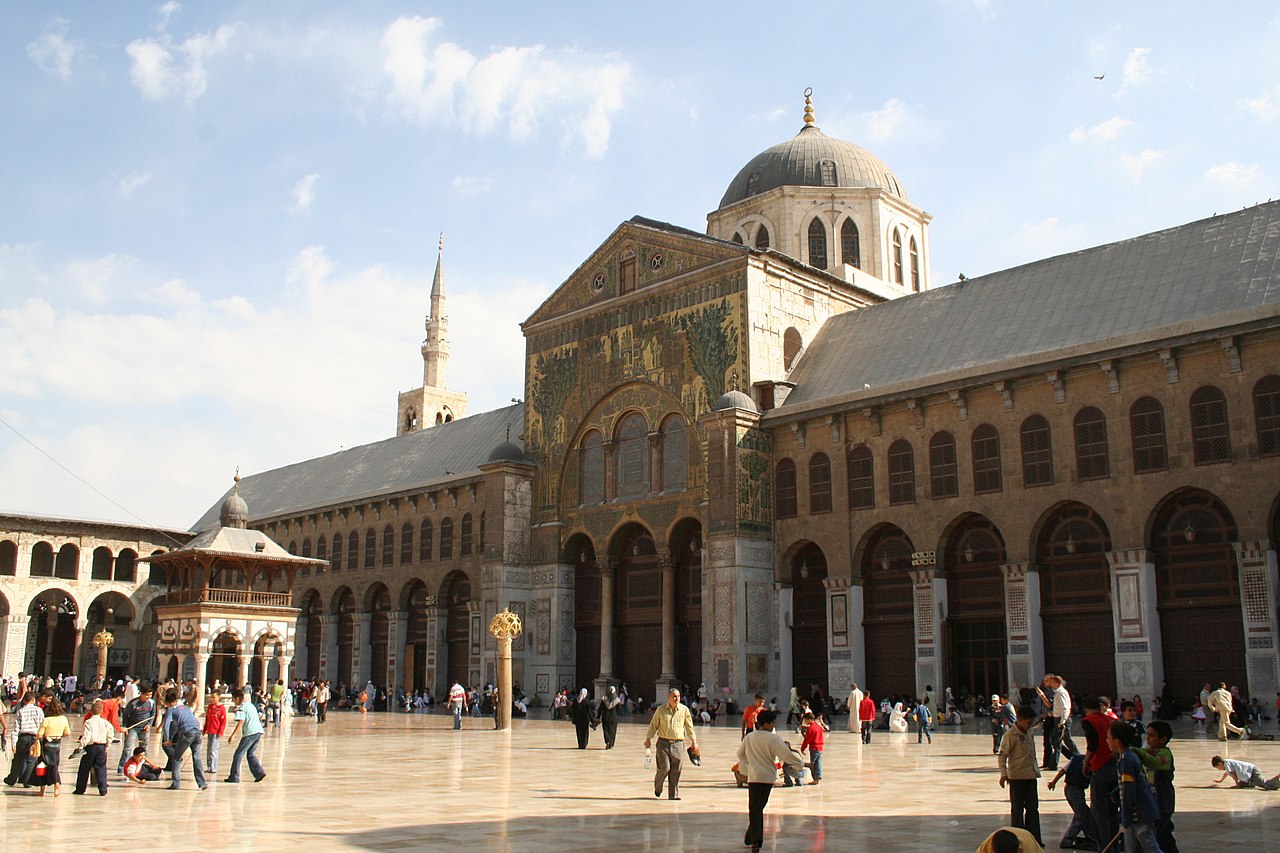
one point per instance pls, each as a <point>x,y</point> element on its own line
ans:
<point>229,596</point>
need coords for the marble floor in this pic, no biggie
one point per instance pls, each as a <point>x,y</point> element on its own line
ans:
<point>408,782</point>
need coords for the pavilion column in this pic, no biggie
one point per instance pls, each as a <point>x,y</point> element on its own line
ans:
<point>51,624</point>
<point>242,665</point>
<point>162,661</point>
<point>182,659</point>
<point>262,674</point>
<point>285,662</point>
<point>607,573</point>
<point>201,665</point>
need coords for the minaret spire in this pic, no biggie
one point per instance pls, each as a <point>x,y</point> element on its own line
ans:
<point>433,403</point>
<point>435,349</point>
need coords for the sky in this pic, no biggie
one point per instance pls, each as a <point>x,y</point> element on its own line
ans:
<point>219,221</point>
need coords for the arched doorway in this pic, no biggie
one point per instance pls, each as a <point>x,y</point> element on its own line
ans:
<point>417,635</point>
<point>457,630</point>
<point>112,611</point>
<point>888,613</point>
<point>53,622</point>
<point>344,609</point>
<point>637,599</point>
<point>264,667</point>
<point>224,660</point>
<point>586,609</point>
<point>378,604</point>
<point>1075,599</point>
<point>313,639</point>
<point>974,630</point>
<point>686,554</point>
<point>809,655</point>
<point>1198,593</point>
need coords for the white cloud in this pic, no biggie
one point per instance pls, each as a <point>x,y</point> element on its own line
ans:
<point>163,67</point>
<point>304,193</point>
<point>1234,174</point>
<point>883,123</point>
<point>1138,70</point>
<point>1136,165</point>
<point>1265,107</point>
<point>472,184</point>
<point>136,181</point>
<point>1103,132</point>
<point>94,277</point>
<point>53,51</point>
<point>516,89</point>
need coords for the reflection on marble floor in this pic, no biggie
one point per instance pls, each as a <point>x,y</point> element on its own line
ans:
<point>397,782</point>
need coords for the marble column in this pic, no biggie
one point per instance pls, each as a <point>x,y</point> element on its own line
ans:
<point>1139,652</point>
<point>77,654</point>
<point>667,678</point>
<point>1024,633</point>
<point>51,625</point>
<point>607,574</point>
<point>201,675</point>
<point>840,671</point>
<point>182,660</point>
<point>285,662</point>
<point>242,663</point>
<point>361,654</point>
<point>397,666</point>
<point>783,594</point>
<point>1259,589</point>
<point>264,678</point>
<point>930,594</point>
<point>162,661</point>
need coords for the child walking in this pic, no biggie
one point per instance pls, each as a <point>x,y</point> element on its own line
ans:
<point>814,740</point>
<point>1138,808</point>
<point>1157,758</point>
<point>1019,771</point>
<point>1075,788</point>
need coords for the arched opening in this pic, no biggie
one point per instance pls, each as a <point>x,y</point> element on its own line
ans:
<point>974,630</point>
<point>101,570</point>
<point>791,346</point>
<point>114,612</point>
<point>631,442</point>
<point>762,238</point>
<point>457,630</point>
<point>586,608</point>
<point>8,558</point>
<point>591,469</point>
<point>637,600</point>
<point>378,604</point>
<point>264,667</point>
<point>344,614</point>
<point>419,603</point>
<point>224,660</point>
<point>1075,599</point>
<point>1198,593</point>
<point>67,566</point>
<point>126,565</point>
<point>888,612</point>
<point>313,612</point>
<point>42,560</point>
<point>809,620</point>
<point>850,244</point>
<point>817,244</point>
<point>53,624</point>
<point>686,554</point>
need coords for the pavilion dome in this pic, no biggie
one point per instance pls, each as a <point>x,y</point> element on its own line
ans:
<point>234,512</point>
<point>735,400</point>
<point>508,451</point>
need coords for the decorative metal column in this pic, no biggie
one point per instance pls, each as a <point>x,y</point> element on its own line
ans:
<point>102,641</point>
<point>505,626</point>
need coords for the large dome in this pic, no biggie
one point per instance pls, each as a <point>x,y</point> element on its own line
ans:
<point>798,162</point>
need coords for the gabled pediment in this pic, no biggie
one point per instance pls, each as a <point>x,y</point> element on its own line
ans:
<point>640,253</point>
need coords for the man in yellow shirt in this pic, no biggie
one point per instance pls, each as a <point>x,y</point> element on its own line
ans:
<point>672,723</point>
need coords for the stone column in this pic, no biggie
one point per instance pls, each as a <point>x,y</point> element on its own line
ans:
<point>201,676</point>
<point>1258,595</point>
<point>607,574</point>
<point>51,625</point>
<point>182,660</point>
<point>77,656</point>
<point>397,625</point>
<point>263,677</point>
<point>329,649</point>
<point>783,594</point>
<point>409,664</point>
<point>667,678</point>
<point>162,661</point>
<point>1024,634</point>
<point>285,663</point>
<point>1139,659</point>
<point>361,654</point>
<point>242,662</point>
<point>839,654</point>
<point>610,471</point>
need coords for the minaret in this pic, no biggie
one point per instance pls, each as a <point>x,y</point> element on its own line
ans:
<point>432,403</point>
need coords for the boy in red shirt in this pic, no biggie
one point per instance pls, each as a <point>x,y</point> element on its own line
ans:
<point>867,716</point>
<point>749,715</point>
<point>215,726</point>
<point>814,739</point>
<point>140,769</point>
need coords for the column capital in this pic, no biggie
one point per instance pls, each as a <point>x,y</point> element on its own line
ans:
<point>1129,558</point>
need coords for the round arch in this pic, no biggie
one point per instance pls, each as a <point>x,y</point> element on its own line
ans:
<point>51,633</point>
<point>973,631</point>
<point>312,607</point>
<point>888,620</point>
<point>378,605</point>
<point>225,649</point>
<point>1071,542</point>
<point>685,547</point>
<point>806,568</point>
<point>637,607</point>
<point>455,598</point>
<point>343,609</point>
<point>418,603</point>
<point>1192,537</point>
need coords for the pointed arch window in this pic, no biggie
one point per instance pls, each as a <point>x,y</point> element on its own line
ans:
<point>862,485</point>
<point>915,265</point>
<point>762,238</point>
<point>632,455</point>
<point>591,469</point>
<point>353,551</point>
<point>388,545</point>
<point>737,237</point>
<point>1037,452</point>
<point>424,541</point>
<point>819,483</point>
<point>406,544</point>
<point>817,244</point>
<point>985,444</point>
<point>336,562</point>
<point>306,547</point>
<point>792,343</point>
<point>1146,426</point>
<point>943,479</point>
<point>370,548</point>
<point>897,256</point>
<point>785,488</point>
<point>1092,462</point>
<point>1210,435</point>
<point>1266,414</point>
<point>482,532</point>
<point>850,244</point>
<point>902,472</point>
<point>293,548</point>
<point>322,549</point>
<point>446,539</point>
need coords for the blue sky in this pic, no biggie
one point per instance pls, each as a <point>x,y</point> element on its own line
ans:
<point>219,220</point>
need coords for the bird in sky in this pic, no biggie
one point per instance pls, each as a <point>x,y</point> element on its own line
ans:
<point>1099,76</point>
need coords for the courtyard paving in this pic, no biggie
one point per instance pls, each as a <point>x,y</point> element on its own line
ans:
<point>409,782</point>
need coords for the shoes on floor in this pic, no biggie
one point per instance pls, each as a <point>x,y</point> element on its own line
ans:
<point>260,778</point>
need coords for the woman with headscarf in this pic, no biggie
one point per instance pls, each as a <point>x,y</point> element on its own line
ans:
<point>607,714</point>
<point>583,719</point>
<point>793,706</point>
<point>897,719</point>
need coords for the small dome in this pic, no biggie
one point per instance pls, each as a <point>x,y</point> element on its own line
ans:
<point>735,400</point>
<point>508,452</point>
<point>235,512</point>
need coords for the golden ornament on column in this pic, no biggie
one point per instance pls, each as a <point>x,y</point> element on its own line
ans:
<point>505,626</point>
<point>102,641</point>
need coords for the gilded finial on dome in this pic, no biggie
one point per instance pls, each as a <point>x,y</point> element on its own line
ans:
<point>236,478</point>
<point>441,244</point>
<point>808,107</point>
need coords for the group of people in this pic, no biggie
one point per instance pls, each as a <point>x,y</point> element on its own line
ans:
<point>127,714</point>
